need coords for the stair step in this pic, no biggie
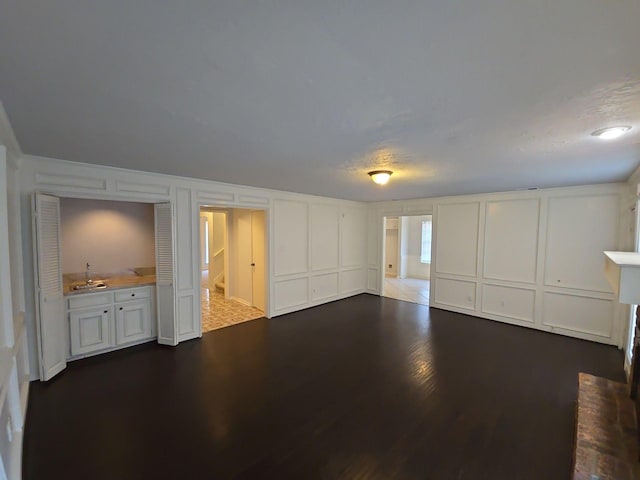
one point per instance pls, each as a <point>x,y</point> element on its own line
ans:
<point>220,286</point>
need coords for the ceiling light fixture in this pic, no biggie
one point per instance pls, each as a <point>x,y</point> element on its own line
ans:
<point>610,133</point>
<point>381,177</point>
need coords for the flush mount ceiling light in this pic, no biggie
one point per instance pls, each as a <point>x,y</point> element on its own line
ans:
<point>610,133</point>
<point>381,177</point>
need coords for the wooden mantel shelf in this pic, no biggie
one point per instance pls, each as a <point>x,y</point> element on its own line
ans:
<point>623,273</point>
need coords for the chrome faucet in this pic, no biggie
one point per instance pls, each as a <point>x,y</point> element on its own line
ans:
<point>87,275</point>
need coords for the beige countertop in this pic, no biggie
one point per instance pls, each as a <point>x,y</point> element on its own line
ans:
<point>113,281</point>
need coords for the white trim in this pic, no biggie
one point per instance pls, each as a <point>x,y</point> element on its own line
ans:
<point>8,137</point>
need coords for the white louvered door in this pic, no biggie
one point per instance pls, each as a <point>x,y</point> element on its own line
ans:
<point>51,314</point>
<point>167,331</point>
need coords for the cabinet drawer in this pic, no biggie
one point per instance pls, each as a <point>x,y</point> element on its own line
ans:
<point>133,294</point>
<point>85,300</point>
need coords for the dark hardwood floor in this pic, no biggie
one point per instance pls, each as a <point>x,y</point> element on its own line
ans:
<point>363,388</point>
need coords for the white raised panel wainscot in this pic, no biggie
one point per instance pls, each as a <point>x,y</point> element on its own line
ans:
<point>531,258</point>
<point>101,322</point>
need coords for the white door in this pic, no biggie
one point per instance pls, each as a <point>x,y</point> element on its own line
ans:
<point>259,258</point>
<point>50,313</point>
<point>165,295</point>
<point>244,270</point>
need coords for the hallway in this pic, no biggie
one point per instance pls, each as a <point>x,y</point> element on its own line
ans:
<point>412,290</point>
<point>218,312</point>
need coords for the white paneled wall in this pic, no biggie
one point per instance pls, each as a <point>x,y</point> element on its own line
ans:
<point>578,229</point>
<point>457,238</point>
<point>14,358</point>
<point>532,258</point>
<point>319,254</point>
<point>512,257</point>
<point>316,244</point>
<point>353,236</point>
<point>325,240</point>
<point>291,237</point>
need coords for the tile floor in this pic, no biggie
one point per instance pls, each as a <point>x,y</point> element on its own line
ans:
<point>217,312</point>
<point>408,289</point>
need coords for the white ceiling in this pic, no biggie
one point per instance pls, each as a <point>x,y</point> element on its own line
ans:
<point>455,96</point>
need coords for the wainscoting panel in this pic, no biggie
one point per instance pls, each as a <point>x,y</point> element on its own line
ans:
<point>291,293</point>
<point>353,236</point>
<point>372,237</point>
<point>324,286</point>
<point>455,293</point>
<point>579,229</point>
<point>352,281</point>
<point>510,302</point>
<point>511,240</point>
<point>457,238</point>
<point>325,239</point>
<point>585,315</point>
<point>142,188</point>
<point>291,242</point>
<point>372,280</point>
<point>216,198</point>
<point>70,181</point>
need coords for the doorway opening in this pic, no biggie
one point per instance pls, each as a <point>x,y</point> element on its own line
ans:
<point>407,258</point>
<point>82,248</point>
<point>232,265</point>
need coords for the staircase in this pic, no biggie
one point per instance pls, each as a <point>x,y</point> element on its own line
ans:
<point>220,285</point>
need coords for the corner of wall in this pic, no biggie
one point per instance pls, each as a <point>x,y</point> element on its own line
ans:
<point>8,137</point>
<point>634,178</point>
<point>14,366</point>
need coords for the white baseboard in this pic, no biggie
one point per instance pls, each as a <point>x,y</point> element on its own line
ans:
<point>240,300</point>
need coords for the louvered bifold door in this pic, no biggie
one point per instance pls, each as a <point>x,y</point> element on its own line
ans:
<point>51,323</point>
<point>167,331</point>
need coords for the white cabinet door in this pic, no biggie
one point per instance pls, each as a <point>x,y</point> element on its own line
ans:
<point>89,329</point>
<point>50,303</point>
<point>165,290</point>
<point>133,321</point>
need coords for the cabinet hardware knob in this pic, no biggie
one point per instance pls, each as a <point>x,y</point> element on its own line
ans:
<point>121,308</point>
<point>133,294</point>
<point>106,311</point>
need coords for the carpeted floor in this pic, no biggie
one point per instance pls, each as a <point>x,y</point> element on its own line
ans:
<point>217,312</point>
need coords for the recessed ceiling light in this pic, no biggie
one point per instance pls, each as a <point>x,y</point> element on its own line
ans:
<point>610,133</point>
<point>381,177</point>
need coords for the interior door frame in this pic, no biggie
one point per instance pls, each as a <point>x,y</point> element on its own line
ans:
<point>203,248</point>
<point>263,247</point>
<point>227,208</point>
<point>382,232</point>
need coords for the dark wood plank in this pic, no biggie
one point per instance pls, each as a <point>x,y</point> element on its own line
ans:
<point>366,387</point>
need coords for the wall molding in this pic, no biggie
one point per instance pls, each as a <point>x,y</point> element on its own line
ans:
<point>8,138</point>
